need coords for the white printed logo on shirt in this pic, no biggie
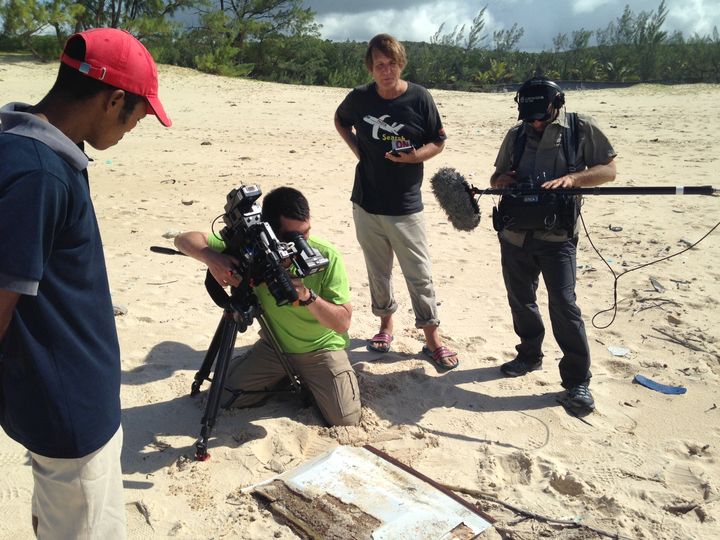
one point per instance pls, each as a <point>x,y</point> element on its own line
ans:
<point>379,123</point>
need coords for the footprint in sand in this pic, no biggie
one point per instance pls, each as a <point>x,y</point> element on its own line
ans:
<point>626,465</point>
<point>524,432</point>
<point>605,477</point>
<point>11,493</point>
<point>512,386</point>
<point>620,367</point>
<point>14,458</point>
<point>517,468</point>
<point>567,484</point>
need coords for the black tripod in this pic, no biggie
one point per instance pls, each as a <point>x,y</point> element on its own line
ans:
<point>240,309</point>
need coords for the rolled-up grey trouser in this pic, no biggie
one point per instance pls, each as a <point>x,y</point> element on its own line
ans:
<point>404,236</point>
<point>327,374</point>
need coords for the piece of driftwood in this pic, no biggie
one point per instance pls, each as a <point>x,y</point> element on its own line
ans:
<point>318,518</point>
<point>659,304</point>
<point>678,340</point>
<point>144,512</point>
<point>526,514</point>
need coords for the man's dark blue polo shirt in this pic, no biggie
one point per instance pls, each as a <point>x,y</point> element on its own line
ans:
<point>60,359</point>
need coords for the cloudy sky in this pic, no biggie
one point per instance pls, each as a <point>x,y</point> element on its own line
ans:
<point>542,19</point>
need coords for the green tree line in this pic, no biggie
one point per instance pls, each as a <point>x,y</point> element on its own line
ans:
<point>279,40</point>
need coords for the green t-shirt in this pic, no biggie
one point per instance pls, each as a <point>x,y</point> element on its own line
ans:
<point>295,328</point>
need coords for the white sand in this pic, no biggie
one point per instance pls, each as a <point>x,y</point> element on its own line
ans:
<point>644,465</point>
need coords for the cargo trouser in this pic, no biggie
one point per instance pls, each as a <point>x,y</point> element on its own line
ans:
<point>327,374</point>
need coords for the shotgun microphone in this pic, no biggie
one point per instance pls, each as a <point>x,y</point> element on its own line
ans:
<point>456,197</point>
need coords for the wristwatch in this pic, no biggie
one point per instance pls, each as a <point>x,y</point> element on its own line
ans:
<point>310,299</point>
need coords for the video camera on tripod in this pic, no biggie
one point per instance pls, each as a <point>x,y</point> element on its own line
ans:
<point>262,257</point>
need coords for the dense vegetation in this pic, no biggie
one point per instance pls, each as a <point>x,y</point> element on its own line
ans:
<point>278,40</point>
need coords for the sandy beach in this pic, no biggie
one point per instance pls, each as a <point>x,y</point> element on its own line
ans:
<point>643,465</point>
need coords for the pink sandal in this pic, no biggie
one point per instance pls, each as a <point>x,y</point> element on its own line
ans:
<point>440,354</point>
<point>380,342</point>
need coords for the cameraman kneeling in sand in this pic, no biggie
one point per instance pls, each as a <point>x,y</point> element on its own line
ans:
<point>312,334</point>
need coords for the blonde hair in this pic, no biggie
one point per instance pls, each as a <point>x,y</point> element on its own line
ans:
<point>388,46</point>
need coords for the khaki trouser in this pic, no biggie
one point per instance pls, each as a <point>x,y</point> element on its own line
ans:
<point>381,236</point>
<point>80,498</point>
<point>327,374</point>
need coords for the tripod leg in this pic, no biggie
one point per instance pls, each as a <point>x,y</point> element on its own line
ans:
<point>295,385</point>
<point>209,359</point>
<point>226,345</point>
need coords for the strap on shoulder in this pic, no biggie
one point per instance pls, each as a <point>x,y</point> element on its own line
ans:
<point>571,142</point>
<point>518,147</point>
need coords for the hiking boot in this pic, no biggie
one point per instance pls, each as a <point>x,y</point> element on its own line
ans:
<point>518,367</point>
<point>580,397</point>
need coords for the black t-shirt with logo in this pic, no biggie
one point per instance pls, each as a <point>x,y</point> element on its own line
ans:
<point>383,125</point>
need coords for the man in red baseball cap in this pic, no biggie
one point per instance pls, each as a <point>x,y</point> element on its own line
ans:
<point>59,353</point>
<point>118,59</point>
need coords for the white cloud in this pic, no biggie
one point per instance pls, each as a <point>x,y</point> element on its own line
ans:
<point>591,6</point>
<point>541,19</point>
<point>694,16</point>
<point>417,24</point>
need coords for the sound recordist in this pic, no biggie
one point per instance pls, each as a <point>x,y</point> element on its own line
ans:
<point>549,149</point>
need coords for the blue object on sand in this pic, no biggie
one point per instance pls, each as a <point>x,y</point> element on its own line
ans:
<point>659,387</point>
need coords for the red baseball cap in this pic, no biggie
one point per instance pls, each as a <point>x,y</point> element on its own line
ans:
<point>117,58</point>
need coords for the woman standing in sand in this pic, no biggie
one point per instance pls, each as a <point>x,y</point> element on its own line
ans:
<point>393,126</point>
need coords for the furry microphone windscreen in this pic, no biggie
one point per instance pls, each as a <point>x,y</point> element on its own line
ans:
<point>456,198</point>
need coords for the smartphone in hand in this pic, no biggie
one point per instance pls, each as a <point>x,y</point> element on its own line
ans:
<point>401,146</point>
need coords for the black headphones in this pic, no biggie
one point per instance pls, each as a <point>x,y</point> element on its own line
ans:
<point>558,100</point>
